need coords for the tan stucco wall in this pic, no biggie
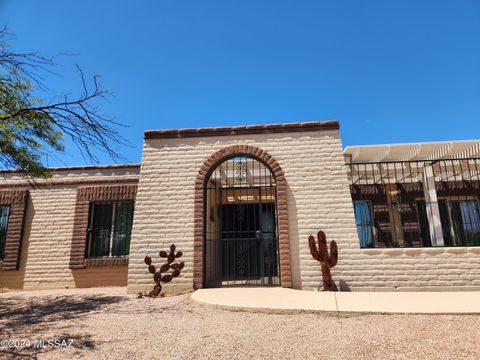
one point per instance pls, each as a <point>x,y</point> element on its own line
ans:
<point>45,252</point>
<point>318,198</point>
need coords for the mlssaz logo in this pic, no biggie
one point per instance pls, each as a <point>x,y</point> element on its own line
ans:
<point>53,344</point>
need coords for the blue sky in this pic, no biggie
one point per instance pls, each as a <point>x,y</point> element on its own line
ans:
<point>390,71</point>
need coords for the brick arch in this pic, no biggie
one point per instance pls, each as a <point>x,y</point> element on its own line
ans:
<point>282,216</point>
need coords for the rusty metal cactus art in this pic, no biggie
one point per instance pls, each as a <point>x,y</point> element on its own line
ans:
<point>327,261</point>
<point>160,276</point>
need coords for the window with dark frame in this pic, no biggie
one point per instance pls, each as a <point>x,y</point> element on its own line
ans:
<point>364,222</point>
<point>110,229</point>
<point>460,222</point>
<point>401,217</point>
<point>4,213</point>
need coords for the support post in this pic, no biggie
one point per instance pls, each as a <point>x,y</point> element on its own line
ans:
<point>431,204</point>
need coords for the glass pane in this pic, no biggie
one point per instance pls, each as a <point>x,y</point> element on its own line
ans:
<point>424,223</point>
<point>4,212</point>
<point>101,228</point>
<point>465,222</point>
<point>122,228</point>
<point>445,220</point>
<point>363,219</point>
<point>424,226</point>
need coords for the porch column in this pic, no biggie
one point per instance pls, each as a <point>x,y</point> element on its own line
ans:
<point>431,204</point>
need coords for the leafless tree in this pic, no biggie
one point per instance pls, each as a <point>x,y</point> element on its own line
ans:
<point>33,124</point>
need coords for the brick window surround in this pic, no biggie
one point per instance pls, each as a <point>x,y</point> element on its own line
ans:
<point>17,200</point>
<point>282,215</point>
<point>86,195</point>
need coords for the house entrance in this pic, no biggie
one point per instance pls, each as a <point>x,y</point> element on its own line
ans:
<point>241,246</point>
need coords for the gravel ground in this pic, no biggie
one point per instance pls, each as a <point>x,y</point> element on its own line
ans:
<point>105,324</point>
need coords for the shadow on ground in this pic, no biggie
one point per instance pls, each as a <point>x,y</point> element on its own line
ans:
<point>32,351</point>
<point>32,319</point>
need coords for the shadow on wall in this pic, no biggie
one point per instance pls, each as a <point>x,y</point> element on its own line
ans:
<point>34,318</point>
<point>293,234</point>
<point>100,276</point>
<point>343,286</point>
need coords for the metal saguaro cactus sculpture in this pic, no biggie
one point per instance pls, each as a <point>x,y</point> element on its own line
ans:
<point>160,276</point>
<point>327,261</point>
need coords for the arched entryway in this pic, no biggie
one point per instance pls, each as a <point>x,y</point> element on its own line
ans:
<point>241,224</point>
<point>241,245</point>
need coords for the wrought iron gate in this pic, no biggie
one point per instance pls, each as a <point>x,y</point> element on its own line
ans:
<point>241,227</point>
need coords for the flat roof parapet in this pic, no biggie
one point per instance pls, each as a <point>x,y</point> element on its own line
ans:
<point>243,130</point>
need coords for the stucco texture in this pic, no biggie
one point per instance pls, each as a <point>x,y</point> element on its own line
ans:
<point>318,197</point>
<point>47,234</point>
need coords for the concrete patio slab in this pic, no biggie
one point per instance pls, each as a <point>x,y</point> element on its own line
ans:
<point>266,299</point>
<point>289,300</point>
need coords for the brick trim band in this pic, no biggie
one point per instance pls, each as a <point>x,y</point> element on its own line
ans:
<point>282,215</point>
<point>80,223</point>
<point>17,200</point>
<point>79,182</point>
<point>243,130</point>
<point>106,262</point>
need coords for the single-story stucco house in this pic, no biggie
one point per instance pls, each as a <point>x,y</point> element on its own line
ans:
<point>240,203</point>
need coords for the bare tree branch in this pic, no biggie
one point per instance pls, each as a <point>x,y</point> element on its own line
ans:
<point>31,126</point>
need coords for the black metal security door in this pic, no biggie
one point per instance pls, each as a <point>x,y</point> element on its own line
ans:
<point>241,237</point>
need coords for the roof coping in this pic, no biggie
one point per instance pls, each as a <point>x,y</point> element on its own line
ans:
<point>242,130</point>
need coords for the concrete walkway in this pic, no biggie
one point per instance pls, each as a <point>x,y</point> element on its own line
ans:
<point>288,300</point>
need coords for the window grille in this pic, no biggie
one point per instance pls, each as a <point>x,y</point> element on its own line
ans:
<point>391,208</point>
<point>4,213</point>
<point>364,222</point>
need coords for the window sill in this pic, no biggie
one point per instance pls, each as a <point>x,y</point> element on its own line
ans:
<point>432,250</point>
<point>98,262</point>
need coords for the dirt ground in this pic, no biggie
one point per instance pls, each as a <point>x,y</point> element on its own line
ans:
<point>106,324</point>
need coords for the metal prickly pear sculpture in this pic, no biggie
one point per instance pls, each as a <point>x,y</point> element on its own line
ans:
<point>162,275</point>
<point>327,261</point>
